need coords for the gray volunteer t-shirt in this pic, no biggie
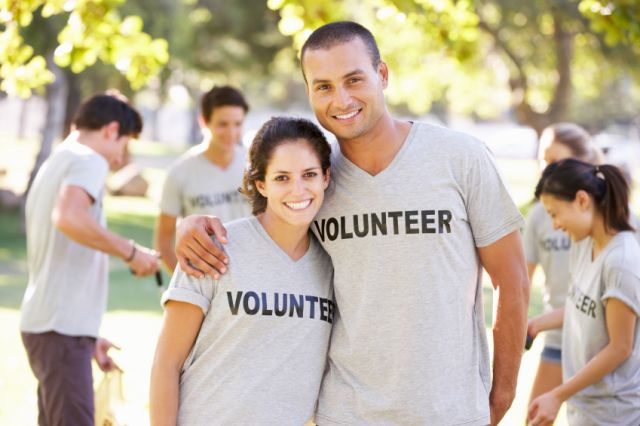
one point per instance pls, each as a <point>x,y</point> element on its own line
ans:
<point>194,185</point>
<point>409,344</point>
<point>549,248</point>
<point>615,273</point>
<point>261,351</point>
<point>68,282</point>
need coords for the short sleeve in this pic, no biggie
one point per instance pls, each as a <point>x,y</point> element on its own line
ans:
<point>623,285</point>
<point>491,211</point>
<point>530,239</point>
<point>89,172</point>
<point>185,288</point>
<point>171,200</point>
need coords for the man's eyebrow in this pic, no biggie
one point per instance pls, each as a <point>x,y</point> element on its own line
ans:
<point>347,75</point>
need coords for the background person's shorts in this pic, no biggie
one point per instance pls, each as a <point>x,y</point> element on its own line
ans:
<point>551,355</point>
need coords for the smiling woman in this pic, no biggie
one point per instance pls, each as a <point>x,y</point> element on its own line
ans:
<point>600,346</point>
<point>222,339</point>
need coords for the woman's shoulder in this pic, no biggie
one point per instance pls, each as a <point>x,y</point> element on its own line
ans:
<point>241,232</point>
<point>624,253</point>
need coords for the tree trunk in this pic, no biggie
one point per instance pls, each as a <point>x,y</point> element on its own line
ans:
<point>57,93</point>
<point>73,100</point>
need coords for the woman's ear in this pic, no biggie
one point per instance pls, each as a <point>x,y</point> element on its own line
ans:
<point>584,200</point>
<point>260,188</point>
<point>327,178</point>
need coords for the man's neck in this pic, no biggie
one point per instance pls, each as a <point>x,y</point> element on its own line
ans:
<point>220,156</point>
<point>374,151</point>
<point>89,139</point>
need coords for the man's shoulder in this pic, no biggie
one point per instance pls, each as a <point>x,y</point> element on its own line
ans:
<point>187,161</point>
<point>77,153</point>
<point>446,139</point>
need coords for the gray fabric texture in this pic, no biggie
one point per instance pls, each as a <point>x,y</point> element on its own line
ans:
<point>615,273</point>
<point>409,344</point>
<point>261,351</point>
<point>67,289</point>
<point>550,249</point>
<point>194,185</point>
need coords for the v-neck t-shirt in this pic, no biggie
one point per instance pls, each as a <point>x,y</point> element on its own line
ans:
<point>261,350</point>
<point>409,341</point>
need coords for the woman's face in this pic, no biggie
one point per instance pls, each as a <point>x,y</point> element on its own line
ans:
<point>294,183</point>
<point>575,217</point>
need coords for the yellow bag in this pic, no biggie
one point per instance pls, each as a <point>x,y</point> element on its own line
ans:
<point>110,404</point>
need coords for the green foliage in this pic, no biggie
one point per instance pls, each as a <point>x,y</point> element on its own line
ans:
<point>619,20</point>
<point>93,30</point>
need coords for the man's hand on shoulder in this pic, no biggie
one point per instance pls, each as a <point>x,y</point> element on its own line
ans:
<point>196,253</point>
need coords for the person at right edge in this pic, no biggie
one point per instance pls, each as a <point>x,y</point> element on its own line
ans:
<point>600,345</point>
<point>416,213</point>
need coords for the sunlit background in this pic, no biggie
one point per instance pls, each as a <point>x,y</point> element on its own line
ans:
<point>500,70</point>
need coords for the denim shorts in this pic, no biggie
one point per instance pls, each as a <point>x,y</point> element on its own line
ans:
<point>551,355</point>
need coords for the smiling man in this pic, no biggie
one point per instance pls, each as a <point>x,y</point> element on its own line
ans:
<point>409,343</point>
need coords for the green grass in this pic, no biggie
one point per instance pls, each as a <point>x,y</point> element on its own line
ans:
<point>133,317</point>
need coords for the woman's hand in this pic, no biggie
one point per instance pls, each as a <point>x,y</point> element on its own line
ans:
<point>544,409</point>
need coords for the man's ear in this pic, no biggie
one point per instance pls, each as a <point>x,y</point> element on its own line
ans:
<point>110,130</point>
<point>201,121</point>
<point>383,72</point>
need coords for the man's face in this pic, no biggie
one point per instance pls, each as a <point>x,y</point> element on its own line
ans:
<point>345,90</point>
<point>225,125</point>
<point>118,151</point>
<point>113,147</point>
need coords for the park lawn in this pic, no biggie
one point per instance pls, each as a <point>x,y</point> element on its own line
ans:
<point>133,317</point>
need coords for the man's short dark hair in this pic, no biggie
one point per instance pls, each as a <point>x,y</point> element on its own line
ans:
<point>221,96</point>
<point>330,35</point>
<point>100,110</point>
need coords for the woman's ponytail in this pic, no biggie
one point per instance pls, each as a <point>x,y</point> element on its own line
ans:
<point>614,204</point>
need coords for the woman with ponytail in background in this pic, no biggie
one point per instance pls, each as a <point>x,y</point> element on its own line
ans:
<point>600,348</point>
<point>549,248</point>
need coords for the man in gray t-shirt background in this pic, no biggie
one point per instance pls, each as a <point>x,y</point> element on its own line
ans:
<point>206,178</point>
<point>67,257</point>
<point>413,215</point>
